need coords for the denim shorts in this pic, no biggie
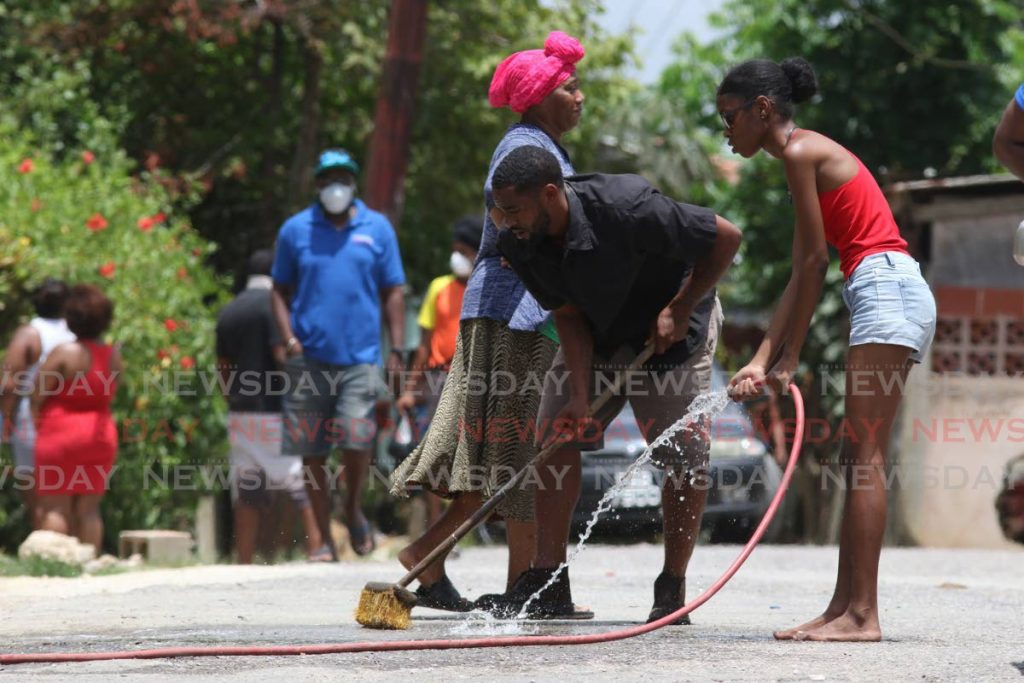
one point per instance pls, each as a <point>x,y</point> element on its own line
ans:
<point>890,303</point>
<point>329,406</point>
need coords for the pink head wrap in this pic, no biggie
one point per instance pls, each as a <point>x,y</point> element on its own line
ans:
<point>525,78</point>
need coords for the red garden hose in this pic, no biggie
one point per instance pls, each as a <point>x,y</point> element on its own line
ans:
<point>517,641</point>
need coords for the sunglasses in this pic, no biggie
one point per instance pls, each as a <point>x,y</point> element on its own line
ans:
<point>729,116</point>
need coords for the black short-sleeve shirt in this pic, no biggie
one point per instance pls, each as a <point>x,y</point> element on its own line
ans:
<point>246,335</point>
<point>627,252</point>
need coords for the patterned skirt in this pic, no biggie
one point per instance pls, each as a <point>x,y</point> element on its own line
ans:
<point>482,432</point>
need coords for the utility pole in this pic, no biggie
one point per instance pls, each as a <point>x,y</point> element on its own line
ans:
<point>392,123</point>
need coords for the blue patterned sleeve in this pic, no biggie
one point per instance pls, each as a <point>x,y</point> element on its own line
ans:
<point>494,291</point>
<point>489,239</point>
<point>1020,97</point>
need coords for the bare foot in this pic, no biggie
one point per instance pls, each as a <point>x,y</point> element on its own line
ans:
<point>813,624</point>
<point>848,628</point>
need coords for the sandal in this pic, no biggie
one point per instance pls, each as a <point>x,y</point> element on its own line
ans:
<point>443,595</point>
<point>360,537</point>
<point>321,554</point>
<point>669,596</point>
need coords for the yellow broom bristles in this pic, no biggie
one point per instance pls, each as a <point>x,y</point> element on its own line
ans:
<point>383,610</point>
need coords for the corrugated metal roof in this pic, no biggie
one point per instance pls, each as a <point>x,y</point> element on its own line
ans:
<point>951,183</point>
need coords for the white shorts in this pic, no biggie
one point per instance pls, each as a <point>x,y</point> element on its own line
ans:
<point>23,439</point>
<point>255,455</point>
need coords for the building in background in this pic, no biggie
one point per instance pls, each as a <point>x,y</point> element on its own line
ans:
<point>963,415</point>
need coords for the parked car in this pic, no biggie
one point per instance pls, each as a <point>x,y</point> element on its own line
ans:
<point>742,480</point>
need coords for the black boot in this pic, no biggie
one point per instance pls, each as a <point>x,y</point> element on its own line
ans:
<point>669,595</point>
<point>554,603</point>
<point>442,594</point>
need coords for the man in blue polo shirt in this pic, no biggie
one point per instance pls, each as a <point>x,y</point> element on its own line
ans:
<point>337,264</point>
<point>1008,142</point>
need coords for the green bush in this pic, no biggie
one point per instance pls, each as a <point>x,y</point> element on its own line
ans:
<point>86,218</point>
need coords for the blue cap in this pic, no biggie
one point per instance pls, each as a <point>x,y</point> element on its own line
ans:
<point>336,158</point>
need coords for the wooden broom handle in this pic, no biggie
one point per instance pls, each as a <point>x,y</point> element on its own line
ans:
<point>488,507</point>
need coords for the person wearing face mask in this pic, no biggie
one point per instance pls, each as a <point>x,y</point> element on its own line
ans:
<point>336,266</point>
<point>439,321</point>
<point>504,346</point>
<point>439,328</point>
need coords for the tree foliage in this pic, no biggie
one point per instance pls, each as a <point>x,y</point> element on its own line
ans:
<point>908,86</point>
<point>240,96</point>
<point>914,89</point>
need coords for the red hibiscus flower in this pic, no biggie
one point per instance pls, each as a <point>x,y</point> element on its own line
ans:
<point>187,363</point>
<point>96,222</point>
<point>158,218</point>
<point>145,224</point>
<point>163,353</point>
<point>37,204</point>
<point>170,324</point>
<point>26,166</point>
<point>107,269</point>
<point>88,157</point>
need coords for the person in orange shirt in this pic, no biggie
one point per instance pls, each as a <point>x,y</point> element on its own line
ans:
<point>439,329</point>
<point>439,323</point>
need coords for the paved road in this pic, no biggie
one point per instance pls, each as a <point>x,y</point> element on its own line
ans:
<point>947,616</point>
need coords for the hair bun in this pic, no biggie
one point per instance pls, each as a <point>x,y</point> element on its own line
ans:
<point>801,78</point>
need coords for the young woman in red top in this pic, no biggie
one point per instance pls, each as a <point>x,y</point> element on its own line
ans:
<point>76,441</point>
<point>892,313</point>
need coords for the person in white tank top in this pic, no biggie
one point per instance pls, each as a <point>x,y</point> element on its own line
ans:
<point>29,347</point>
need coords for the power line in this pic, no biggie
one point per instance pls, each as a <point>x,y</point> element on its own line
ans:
<point>667,23</point>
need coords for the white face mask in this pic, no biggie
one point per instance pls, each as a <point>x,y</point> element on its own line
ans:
<point>461,266</point>
<point>337,197</point>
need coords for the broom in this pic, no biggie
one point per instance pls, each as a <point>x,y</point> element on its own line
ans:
<point>389,605</point>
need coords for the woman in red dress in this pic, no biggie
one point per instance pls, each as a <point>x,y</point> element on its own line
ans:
<point>76,441</point>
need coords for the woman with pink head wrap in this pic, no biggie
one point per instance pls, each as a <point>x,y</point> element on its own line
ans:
<point>525,78</point>
<point>503,334</point>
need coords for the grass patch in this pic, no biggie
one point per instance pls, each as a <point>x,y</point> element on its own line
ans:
<point>37,566</point>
